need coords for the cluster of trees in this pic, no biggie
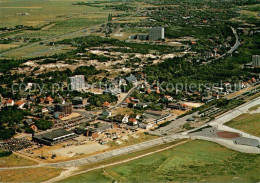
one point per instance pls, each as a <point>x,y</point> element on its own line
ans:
<point>5,153</point>
<point>86,70</point>
<point>100,58</point>
<point>98,100</point>
<point>180,70</point>
<point>10,118</point>
<point>6,133</point>
<point>43,124</point>
<point>96,41</point>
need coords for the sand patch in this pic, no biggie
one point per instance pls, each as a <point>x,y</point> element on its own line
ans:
<point>72,115</point>
<point>79,150</point>
<point>190,104</point>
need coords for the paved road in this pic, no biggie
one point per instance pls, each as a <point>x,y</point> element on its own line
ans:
<point>219,124</point>
<point>236,45</point>
<point>235,112</point>
<point>175,124</point>
<point>232,49</point>
<point>121,101</point>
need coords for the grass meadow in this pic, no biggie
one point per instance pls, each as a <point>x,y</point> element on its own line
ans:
<point>192,161</point>
<point>248,123</point>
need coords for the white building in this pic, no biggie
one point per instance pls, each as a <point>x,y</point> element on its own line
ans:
<point>256,60</point>
<point>156,34</point>
<point>77,82</point>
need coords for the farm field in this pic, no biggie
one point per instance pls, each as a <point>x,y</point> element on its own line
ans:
<point>32,174</point>
<point>56,19</point>
<point>248,123</point>
<point>192,161</point>
<point>7,46</point>
<point>39,12</point>
<point>38,50</point>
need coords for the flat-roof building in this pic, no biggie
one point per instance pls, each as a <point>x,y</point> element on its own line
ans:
<point>54,137</point>
<point>77,82</point>
<point>156,34</point>
<point>65,108</point>
<point>256,60</point>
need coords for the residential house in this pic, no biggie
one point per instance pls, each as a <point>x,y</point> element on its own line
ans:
<point>29,121</point>
<point>45,110</point>
<point>106,104</point>
<point>48,100</point>
<point>132,121</point>
<point>9,102</point>
<point>131,79</point>
<point>141,105</point>
<point>20,104</point>
<point>174,106</point>
<point>106,113</point>
<point>121,118</point>
<point>79,101</point>
<point>112,91</point>
<point>168,97</point>
<point>145,126</point>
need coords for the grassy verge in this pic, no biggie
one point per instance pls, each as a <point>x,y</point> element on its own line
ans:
<point>29,175</point>
<point>127,156</point>
<point>248,123</point>
<point>192,161</point>
<point>254,108</point>
<point>14,160</point>
<point>141,137</point>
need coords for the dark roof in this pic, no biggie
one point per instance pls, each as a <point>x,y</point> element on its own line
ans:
<point>131,78</point>
<point>55,134</point>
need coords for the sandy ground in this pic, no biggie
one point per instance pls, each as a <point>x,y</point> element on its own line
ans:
<point>72,115</point>
<point>190,104</point>
<point>80,149</point>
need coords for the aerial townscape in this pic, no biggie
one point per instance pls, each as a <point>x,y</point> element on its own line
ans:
<point>129,91</point>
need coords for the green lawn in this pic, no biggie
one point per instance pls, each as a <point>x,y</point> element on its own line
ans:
<point>249,123</point>
<point>193,161</point>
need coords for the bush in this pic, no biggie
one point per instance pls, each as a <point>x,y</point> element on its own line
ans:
<point>5,153</point>
<point>43,124</point>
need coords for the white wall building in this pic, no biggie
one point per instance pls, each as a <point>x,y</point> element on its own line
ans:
<point>77,82</point>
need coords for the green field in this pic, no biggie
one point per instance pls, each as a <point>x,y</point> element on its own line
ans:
<point>39,11</point>
<point>249,123</point>
<point>193,161</point>
<point>56,19</point>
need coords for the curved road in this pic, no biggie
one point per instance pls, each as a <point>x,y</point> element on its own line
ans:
<point>232,49</point>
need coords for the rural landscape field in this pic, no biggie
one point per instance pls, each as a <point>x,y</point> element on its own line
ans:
<point>129,91</point>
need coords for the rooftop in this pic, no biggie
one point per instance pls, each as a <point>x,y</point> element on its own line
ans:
<point>55,135</point>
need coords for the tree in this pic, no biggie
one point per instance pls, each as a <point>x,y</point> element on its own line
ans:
<point>109,17</point>
<point>43,124</point>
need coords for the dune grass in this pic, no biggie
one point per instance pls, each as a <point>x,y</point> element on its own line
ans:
<point>192,161</point>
